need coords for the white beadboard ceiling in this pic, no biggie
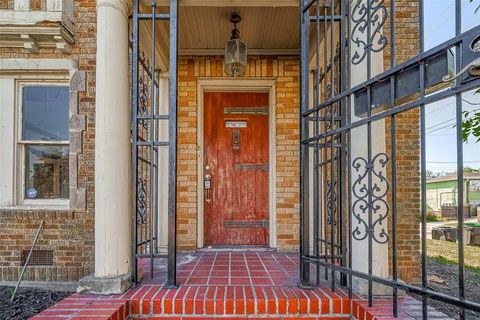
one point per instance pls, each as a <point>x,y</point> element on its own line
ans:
<point>265,30</point>
<point>204,30</point>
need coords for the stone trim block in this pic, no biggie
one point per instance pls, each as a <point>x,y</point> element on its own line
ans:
<point>78,198</point>
<point>111,285</point>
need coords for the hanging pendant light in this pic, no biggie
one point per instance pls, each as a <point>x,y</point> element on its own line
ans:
<point>235,61</point>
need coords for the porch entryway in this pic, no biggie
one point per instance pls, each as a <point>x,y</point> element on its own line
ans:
<point>349,219</point>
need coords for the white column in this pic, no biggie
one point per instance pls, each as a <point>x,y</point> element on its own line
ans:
<point>162,183</point>
<point>359,149</point>
<point>112,142</point>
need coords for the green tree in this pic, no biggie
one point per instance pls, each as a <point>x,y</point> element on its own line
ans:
<point>471,122</point>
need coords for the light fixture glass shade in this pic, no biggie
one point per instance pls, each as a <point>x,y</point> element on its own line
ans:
<point>235,61</point>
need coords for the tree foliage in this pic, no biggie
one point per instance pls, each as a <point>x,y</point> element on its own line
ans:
<point>471,124</point>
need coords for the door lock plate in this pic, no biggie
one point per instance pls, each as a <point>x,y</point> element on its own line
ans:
<point>246,224</point>
<point>252,167</point>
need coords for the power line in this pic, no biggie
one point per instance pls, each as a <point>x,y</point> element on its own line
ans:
<point>472,104</point>
<point>451,124</point>
<point>452,103</point>
<point>471,161</point>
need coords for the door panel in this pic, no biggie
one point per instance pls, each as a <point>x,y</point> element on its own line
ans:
<point>236,159</point>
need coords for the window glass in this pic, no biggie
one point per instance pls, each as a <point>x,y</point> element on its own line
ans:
<point>45,113</point>
<point>46,172</point>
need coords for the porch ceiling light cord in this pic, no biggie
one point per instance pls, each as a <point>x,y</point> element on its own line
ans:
<point>235,62</point>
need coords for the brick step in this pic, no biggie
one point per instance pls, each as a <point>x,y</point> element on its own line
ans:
<point>285,317</point>
<point>239,301</point>
<point>408,309</point>
<point>195,302</point>
<point>86,307</point>
<point>275,303</point>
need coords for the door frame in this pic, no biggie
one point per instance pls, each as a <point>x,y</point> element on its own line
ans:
<point>238,85</point>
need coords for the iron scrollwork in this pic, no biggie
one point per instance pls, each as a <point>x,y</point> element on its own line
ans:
<point>143,96</point>
<point>374,15</point>
<point>370,189</point>
<point>331,202</point>
<point>141,201</point>
<point>143,89</point>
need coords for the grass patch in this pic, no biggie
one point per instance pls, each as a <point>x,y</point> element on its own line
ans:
<point>473,224</point>
<point>476,270</point>
<point>444,261</point>
<point>433,218</point>
<point>447,253</point>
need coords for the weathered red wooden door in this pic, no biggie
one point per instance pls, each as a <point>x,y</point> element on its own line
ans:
<point>236,161</point>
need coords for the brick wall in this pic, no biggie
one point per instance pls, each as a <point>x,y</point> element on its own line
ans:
<point>69,234</point>
<point>408,194</point>
<point>285,71</point>
<point>6,4</point>
<point>407,148</point>
<point>38,4</point>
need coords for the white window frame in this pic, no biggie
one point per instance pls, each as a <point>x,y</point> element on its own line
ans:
<point>20,144</point>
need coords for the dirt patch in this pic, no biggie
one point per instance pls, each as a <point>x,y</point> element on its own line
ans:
<point>443,277</point>
<point>28,302</point>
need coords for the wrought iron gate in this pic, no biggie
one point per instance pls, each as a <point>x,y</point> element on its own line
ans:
<point>150,144</point>
<point>350,153</point>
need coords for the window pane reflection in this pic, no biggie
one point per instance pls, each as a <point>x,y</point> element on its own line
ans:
<point>45,113</point>
<point>46,172</point>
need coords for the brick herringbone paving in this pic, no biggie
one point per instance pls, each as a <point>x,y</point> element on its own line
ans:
<point>228,284</point>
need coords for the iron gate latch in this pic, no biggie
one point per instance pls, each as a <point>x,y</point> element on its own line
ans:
<point>471,56</point>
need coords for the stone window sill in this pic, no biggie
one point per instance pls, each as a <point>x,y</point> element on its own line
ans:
<point>38,207</point>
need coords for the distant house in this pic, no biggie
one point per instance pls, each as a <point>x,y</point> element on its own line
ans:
<point>443,191</point>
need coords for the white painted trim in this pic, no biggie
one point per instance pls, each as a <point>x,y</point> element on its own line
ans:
<point>49,207</point>
<point>44,34</point>
<point>7,141</point>
<point>54,65</point>
<point>8,121</point>
<point>21,5</point>
<point>47,203</point>
<point>238,85</point>
<point>29,17</point>
<point>19,145</point>
<point>55,5</point>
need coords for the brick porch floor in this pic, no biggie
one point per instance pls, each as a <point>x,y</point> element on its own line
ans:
<point>233,285</point>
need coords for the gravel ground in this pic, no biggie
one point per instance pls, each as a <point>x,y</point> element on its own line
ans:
<point>28,302</point>
<point>443,277</point>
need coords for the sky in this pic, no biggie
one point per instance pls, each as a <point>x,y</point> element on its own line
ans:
<point>440,116</point>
